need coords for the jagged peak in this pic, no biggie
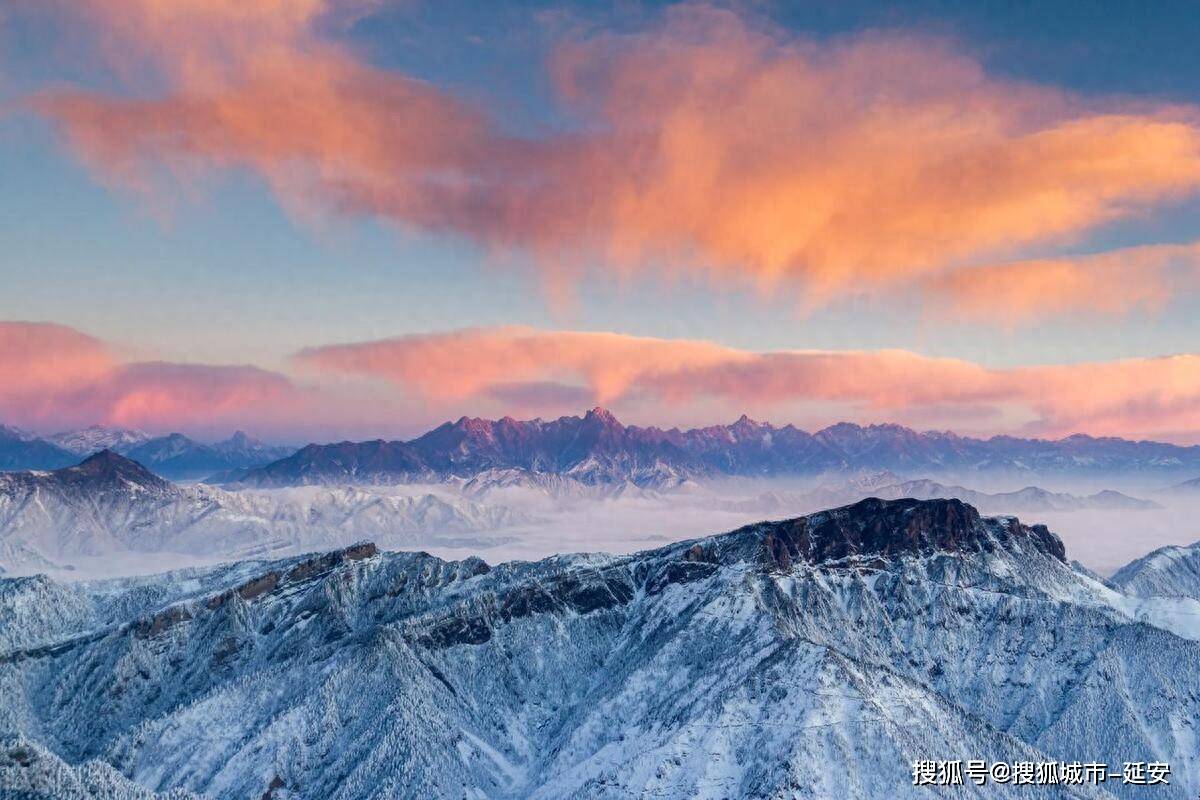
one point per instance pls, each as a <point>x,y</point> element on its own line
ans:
<point>601,414</point>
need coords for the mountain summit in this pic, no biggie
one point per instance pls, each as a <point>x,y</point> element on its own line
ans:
<point>881,529</point>
<point>108,466</point>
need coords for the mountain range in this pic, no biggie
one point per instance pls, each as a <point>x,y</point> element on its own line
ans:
<point>888,486</point>
<point>173,456</point>
<point>813,657</point>
<point>111,506</point>
<point>20,450</point>
<point>596,449</point>
<point>1029,499</point>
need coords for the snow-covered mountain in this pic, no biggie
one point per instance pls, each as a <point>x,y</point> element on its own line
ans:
<point>518,485</point>
<point>1167,572</point>
<point>812,658</point>
<point>597,449</point>
<point>29,771</point>
<point>173,456</point>
<point>179,457</point>
<point>95,438</point>
<point>21,450</point>
<point>110,505</point>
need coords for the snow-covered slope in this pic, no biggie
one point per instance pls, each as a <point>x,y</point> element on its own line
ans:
<point>85,441</point>
<point>1167,572</point>
<point>30,772</point>
<point>810,658</point>
<point>111,505</point>
<point>519,486</point>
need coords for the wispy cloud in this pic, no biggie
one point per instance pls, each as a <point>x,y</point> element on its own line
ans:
<point>663,379</point>
<point>707,145</point>
<point>1111,283</point>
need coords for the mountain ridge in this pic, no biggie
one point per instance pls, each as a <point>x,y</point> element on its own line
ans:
<point>597,448</point>
<point>174,455</point>
<point>784,658</point>
<point>109,505</point>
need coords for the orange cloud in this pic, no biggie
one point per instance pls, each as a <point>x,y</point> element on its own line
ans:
<point>54,376</point>
<point>42,357</point>
<point>661,377</point>
<point>461,364</point>
<point>707,145</point>
<point>165,396</point>
<point>254,87</point>
<point>1115,282</point>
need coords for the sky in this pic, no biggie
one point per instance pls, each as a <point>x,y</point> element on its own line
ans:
<point>322,219</point>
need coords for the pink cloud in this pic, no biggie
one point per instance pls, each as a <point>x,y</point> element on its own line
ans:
<point>664,380</point>
<point>41,361</point>
<point>466,363</point>
<point>708,145</point>
<point>52,376</point>
<point>1111,283</point>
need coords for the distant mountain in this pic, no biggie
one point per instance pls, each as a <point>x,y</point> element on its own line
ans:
<point>1167,572</point>
<point>1031,498</point>
<point>179,457</point>
<point>110,505</point>
<point>598,449</point>
<point>1187,487</point>
<point>173,456</point>
<point>492,482</point>
<point>89,440</point>
<point>20,450</point>
<point>815,657</point>
<point>888,486</point>
<point>592,449</point>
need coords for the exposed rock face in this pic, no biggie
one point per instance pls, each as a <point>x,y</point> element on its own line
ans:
<point>815,657</point>
<point>882,529</point>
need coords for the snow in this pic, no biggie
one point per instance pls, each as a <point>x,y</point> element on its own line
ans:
<point>402,674</point>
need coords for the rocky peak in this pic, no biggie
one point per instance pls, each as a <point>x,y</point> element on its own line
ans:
<point>603,417</point>
<point>894,528</point>
<point>240,439</point>
<point>746,426</point>
<point>107,466</point>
